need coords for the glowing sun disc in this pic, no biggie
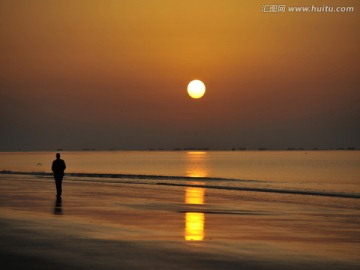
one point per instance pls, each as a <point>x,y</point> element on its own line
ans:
<point>196,89</point>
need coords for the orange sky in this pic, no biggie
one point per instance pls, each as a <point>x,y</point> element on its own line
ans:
<point>113,74</point>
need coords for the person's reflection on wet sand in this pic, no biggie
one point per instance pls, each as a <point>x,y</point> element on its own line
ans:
<point>58,206</point>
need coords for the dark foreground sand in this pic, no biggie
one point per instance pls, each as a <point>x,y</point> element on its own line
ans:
<point>133,226</point>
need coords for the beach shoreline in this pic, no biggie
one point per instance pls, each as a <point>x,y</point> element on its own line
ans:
<point>127,226</point>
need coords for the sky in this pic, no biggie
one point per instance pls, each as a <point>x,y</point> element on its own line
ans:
<point>112,74</point>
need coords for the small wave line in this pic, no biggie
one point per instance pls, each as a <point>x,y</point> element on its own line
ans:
<point>272,190</point>
<point>131,176</point>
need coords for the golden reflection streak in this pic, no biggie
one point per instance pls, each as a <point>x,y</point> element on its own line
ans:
<point>194,226</point>
<point>196,164</point>
<point>195,221</point>
<point>194,195</point>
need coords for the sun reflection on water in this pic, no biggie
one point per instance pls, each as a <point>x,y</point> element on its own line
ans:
<point>194,195</point>
<point>195,221</point>
<point>194,226</point>
<point>196,164</point>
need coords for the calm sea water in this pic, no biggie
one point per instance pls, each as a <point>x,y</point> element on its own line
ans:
<point>329,171</point>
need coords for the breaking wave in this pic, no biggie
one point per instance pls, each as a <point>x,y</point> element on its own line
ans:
<point>189,182</point>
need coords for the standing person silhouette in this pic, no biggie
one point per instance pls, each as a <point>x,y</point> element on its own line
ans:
<point>58,167</point>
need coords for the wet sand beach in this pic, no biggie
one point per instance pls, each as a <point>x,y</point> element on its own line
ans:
<point>152,226</point>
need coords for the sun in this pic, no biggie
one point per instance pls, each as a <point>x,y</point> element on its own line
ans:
<point>196,89</point>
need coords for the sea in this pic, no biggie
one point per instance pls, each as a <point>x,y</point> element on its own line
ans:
<point>318,173</point>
